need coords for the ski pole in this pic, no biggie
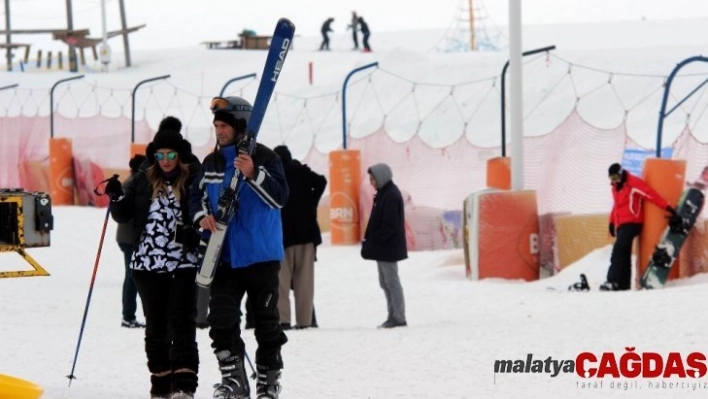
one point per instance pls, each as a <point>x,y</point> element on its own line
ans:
<point>88,298</point>
<point>254,375</point>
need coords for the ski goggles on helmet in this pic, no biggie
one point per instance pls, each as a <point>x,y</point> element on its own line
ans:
<point>222,104</point>
<point>169,156</point>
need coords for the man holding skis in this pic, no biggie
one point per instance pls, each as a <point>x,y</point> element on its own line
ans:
<point>251,254</point>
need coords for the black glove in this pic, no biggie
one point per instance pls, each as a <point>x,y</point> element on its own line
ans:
<point>671,210</point>
<point>113,189</point>
<point>612,229</point>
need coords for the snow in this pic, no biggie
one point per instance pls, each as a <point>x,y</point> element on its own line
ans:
<point>457,328</point>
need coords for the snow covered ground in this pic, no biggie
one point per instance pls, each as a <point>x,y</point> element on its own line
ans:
<point>457,328</point>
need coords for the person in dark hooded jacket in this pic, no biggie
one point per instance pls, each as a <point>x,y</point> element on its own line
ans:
<point>301,236</point>
<point>164,259</point>
<point>385,241</point>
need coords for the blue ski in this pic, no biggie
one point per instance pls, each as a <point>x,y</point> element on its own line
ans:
<point>228,202</point>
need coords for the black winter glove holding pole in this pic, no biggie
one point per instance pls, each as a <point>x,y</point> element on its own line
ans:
<point>113,189</point>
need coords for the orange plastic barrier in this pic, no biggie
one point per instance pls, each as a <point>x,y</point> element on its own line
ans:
<point>137,149</point>
<point>61,171</point>
<point>499,173</point>
<point>667,177</point>
<point>503,236</point>
<point>345,179</point>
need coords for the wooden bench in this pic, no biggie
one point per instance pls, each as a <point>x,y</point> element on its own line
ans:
<point>222,44</point>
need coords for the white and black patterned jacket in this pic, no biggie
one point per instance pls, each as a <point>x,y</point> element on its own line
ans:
<point>165,237</point>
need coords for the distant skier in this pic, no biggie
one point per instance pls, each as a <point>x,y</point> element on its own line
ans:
<point>365,31</point>
<point>626,219</point>
<point>326,28</point>
<point>354,26</point>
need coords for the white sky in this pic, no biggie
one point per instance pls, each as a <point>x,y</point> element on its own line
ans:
<point>178,23</point>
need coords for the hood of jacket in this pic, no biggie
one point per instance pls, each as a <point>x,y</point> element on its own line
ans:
<point>382,174</point>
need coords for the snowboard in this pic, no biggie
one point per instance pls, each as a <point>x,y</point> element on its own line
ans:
<point>688,209</point>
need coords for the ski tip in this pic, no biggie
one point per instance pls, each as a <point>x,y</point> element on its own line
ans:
<point>285,22</point>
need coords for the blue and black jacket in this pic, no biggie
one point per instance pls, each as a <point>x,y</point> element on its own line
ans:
<point>255,234</point>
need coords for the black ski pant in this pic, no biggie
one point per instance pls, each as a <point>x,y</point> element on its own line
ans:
<point>366,42</point>
<point>169,303</point>
<point>260,281</point>
<point>620,271</point>
<point>325,41</point>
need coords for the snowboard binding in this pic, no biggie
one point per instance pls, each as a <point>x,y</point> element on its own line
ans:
<point>581,285</point>
<point>661,256</point>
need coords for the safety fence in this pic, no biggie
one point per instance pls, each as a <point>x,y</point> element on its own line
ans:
<point>436,137</point>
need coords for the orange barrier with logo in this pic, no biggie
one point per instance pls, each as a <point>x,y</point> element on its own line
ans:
<point>344,183</point>
<point>667,177</point>
<point>499,173</point>
<point>504,236</point>
<point>137,149</point>
<point>61,171</point>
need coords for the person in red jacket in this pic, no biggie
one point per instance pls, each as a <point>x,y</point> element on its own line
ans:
<point>626,219</point>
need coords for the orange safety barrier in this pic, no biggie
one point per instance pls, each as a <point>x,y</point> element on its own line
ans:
<point>499,173</point>
<point>61,171</point>
<point>503,237</point>
<point>344,183</point>
<point>667,177</point>
<point>137,149</point>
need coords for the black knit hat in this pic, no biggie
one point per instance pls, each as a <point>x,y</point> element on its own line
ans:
<point>615,169</point>
<point>225,117</point>
<point>169,139</point>
<point>170,123</point>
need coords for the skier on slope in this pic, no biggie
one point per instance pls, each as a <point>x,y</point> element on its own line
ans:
<point>626,219</point>
<point>251,255</point>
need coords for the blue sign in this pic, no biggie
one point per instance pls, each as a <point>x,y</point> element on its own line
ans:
<point>633,159</point>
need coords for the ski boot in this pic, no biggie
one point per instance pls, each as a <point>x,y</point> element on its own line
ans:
<point>268,385</point>
<point>582,285</point>
<point>234,383</point>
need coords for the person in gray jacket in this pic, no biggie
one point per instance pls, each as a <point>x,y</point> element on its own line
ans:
<point>385,241</point>
<point>125,239</point>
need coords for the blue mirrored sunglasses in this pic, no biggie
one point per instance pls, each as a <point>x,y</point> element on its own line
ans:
<point>170,156</point>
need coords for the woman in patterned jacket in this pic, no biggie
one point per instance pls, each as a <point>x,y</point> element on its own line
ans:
<point>164,261</point>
